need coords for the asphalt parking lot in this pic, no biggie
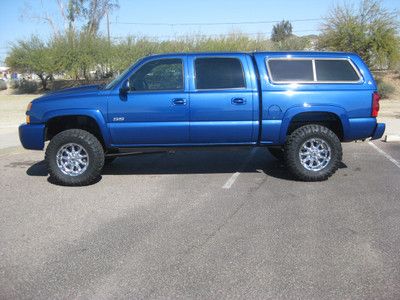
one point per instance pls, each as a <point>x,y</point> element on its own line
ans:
<point>203,225</point>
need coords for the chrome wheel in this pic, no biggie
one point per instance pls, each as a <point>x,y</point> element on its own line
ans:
<point>72,159</point>
<point>315,154</point>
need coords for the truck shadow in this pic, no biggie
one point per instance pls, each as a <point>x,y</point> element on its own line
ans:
<point>190,162</point>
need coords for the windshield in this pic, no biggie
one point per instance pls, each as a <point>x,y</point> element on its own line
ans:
<point>117,79</point>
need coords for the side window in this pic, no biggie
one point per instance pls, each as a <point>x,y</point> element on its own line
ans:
<point>158,75</point>
<point>335,70</point>
<point>287,70</point>
<point>219,73</point>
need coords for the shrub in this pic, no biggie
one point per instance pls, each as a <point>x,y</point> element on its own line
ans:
<point>385,89</point>
<point>13,84</point>
<point>3,85</point>
<point>27,87</point>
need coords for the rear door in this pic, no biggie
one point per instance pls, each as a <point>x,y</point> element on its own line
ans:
<point>222,99</point>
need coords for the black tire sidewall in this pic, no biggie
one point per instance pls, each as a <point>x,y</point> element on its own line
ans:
<point>304,134</point>
<point>93,149</point>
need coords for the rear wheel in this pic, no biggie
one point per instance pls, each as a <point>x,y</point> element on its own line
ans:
<point>74,157</point>
<point>313,153</point>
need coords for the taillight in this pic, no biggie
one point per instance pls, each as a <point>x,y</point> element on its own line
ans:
<point>375,104</point>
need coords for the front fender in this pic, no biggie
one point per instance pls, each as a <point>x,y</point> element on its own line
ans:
<point>92,113</point>
<point>292,112</point>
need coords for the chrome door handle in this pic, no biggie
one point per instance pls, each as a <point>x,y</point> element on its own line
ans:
<point>179,101</point>
<point>238,101</point>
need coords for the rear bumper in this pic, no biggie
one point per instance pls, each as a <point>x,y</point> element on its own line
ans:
<point>378,132</point>
<point>32,136</point>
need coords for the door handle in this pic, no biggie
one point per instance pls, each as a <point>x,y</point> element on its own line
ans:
<point>238,101</point>
<point>179,101</point>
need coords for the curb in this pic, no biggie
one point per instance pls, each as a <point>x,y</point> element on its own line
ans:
<point>391,138</point>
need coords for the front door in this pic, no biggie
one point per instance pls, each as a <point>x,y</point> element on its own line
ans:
<point>155,111</point>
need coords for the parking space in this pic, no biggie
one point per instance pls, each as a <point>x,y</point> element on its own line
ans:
<point>202,224</point>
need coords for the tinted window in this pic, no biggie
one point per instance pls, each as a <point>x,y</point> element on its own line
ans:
<point>291,70</point>
<point>219,73</point>
<point>163,74</point>
<point>335,70</point>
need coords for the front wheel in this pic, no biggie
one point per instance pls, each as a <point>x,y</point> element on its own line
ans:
<point>313,153</point>
<point>74,157</point>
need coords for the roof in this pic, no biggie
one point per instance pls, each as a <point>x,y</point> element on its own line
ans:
<point>283,53</point>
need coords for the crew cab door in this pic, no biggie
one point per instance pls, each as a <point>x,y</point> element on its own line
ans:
<point>155,110</point>
<point>222,99</point>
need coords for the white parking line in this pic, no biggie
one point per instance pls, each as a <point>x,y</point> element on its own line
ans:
<point>231,181</point>
<point>385,154</point>
<point>234,176</point>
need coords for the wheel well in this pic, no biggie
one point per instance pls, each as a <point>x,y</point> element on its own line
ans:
<point>326,119</point>
<point>58,124</point>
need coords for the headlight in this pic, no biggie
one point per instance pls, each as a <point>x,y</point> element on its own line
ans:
<point>29,106</point>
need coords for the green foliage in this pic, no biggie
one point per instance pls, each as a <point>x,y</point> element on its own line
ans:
<point>385,89</point>
<point>13,83</point>
<point>34,56</point>
<point>281,31</point>
<point>80,53</point>
<point>130,50</point>
<point>27,87</point>
<point>369,30</point>
<point>293,43</point>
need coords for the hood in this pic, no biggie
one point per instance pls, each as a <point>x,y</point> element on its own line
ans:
<point>74,91</point>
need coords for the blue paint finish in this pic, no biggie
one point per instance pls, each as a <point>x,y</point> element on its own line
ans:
<point>32,136</point>
<point>214,116</point>
<point>153,117</point>
<point>192,117</point>
<point>294,111</point>
<point>270,136</point>
<point>378,132</point>
<point>360,128</point>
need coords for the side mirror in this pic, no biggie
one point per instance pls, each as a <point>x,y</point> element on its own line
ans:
<point>124,89</point>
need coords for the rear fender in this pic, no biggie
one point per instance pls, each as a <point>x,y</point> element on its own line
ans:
<point>292,112</point>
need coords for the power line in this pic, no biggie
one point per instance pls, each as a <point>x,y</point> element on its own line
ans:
<point>216,23</point>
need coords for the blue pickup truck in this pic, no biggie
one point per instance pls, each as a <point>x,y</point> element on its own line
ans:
<point>299,105</point>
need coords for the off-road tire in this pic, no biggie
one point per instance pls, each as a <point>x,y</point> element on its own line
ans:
<point>94,150</point>
<point>277,153</point>
<point>297,138</point>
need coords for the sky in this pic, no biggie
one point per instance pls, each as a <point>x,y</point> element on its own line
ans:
<point>18,17</point>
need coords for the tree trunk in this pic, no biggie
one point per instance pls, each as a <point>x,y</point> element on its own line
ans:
<point>44,80</point>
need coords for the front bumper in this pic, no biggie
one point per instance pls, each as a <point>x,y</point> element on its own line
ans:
<point>32,136</point>
<point>379,131</point>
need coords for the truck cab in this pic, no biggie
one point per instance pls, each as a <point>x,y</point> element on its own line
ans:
<point>300,105</point>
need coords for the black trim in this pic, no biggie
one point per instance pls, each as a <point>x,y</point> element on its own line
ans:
<point>115,152</point>
<point>260,100</point>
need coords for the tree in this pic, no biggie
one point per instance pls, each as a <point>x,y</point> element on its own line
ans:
<point>95,11</point>
<point>34,56</point>
<point>368,29</point>
<point>281,31</point>
<point>87,13</point>
<point>79,53</point>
